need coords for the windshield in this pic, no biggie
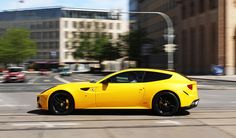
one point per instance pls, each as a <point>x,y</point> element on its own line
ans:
<point>65,70</point>
<point>15,70</point>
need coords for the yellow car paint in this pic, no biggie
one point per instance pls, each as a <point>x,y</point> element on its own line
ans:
<point>137,95</point>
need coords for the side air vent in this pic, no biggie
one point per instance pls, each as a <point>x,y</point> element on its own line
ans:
<point>84,89</point>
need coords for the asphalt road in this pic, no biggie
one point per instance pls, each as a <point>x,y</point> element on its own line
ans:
<point>214,117</point>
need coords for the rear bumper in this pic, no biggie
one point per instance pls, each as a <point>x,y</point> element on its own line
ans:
<point>192,105</point>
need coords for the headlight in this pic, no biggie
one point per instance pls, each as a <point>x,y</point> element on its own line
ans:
<point>20,75</point>
<point>5,75</point>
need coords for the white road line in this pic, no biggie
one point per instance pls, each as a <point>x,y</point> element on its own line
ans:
<point>61,80</point>
<point>14,105</point>
<point>44,124</point>
<point>168,122</point>
<point>81,80</point>
<point>33,80</point>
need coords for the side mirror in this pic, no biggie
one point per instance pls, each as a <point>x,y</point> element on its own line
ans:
<point>105,82</point>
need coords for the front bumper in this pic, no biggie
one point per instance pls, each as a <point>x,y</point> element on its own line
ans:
<point>14,79</point>
<point>192,105</point>
<point>42,102</point>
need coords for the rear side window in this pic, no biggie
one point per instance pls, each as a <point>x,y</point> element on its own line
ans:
<point>155,76</point>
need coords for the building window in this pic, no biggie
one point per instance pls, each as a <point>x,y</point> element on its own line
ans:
<point>202,6</point>
<point>74,24</point>
<point>110,36</point>
<point>118,26</point>
<point>213,4</point>
<point>202,36</point>
<point>192,9</point>
<point>66,34</point>
<point>96,24</point>
<point>213,42</point>
<point>110,25</point>
<point>89,25</point>
<point>103,25</point>
<point>66,24</point>
<point>67,54</point>
<point>81,24</point>
<point>103,34</point>
<point>183,12</point>
<point>67,45</point>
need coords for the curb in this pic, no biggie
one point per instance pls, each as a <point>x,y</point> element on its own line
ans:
<point>213,87</point>
<point>213,79</point>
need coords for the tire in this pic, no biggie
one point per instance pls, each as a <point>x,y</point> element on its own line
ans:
<point>61,103</point>
<point>165,104</point>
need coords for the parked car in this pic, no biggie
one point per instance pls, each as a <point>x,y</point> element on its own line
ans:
<point>14,74</point>
<point>43,72</point>
<point>165,92</point>
<point>1,76</point>
<point>65,71</point>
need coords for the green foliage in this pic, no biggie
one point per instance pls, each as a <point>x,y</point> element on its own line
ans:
<point>96,49</point>
<point>16,46</point>
<point>135,40</point>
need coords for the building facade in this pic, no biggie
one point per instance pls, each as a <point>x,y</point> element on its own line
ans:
<point>155,27</point>
<point>205,33</point>
<point>54,29</point>
<point>133,6</point>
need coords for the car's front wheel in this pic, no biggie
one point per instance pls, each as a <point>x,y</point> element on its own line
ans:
<point>61,103</point>
<point>165,104</point>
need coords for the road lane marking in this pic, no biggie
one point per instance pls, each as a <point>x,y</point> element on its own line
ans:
<point>81,80</point>
<point>33,80</point>
<point>14,105</point>
<point>44,124</point>
<point>47,80</point>
<point>61,80</point>
<point>168,122</point>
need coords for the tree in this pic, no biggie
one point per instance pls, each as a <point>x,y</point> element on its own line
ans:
<point>134,40</point>
<point>96,49</point>
<point>16,46</point>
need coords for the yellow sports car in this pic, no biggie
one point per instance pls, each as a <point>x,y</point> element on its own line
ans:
<point>165,92</point>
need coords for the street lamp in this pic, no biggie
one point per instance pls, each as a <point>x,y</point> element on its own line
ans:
<point>170,46</point>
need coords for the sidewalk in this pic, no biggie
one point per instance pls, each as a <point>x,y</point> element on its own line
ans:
<point>231,78</point>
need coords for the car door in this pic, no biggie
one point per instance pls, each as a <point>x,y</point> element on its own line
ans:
<point>122,90</point>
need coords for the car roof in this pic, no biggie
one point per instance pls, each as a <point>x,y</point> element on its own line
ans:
<point>14,67</point>
<point>150,69</point>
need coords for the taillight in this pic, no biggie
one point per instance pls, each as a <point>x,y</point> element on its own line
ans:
<point>190,86</point>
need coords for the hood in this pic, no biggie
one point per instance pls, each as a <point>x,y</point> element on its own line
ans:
<point>14,73</point>
<point>77,85</point>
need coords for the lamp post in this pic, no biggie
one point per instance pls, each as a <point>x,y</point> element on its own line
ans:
<point>170,46</point>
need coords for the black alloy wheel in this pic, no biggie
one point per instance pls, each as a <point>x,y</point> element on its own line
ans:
<point>61,103</point>
<point>166,104</point>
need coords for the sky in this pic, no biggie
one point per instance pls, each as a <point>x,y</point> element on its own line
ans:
<point>91,4</point>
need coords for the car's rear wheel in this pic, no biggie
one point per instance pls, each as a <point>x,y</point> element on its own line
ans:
<point>165,104</point>
<point>61,103</point>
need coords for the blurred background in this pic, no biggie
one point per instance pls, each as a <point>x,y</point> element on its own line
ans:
<point>107,36</point>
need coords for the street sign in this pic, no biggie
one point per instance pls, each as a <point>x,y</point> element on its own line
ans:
<point>169,47</point>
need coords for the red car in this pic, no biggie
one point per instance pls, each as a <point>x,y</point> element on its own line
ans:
<point>14,74</point>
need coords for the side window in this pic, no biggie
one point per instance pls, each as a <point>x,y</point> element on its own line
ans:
<point>127,77</point>
<point>155,76</point>
<point>120,78</point>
